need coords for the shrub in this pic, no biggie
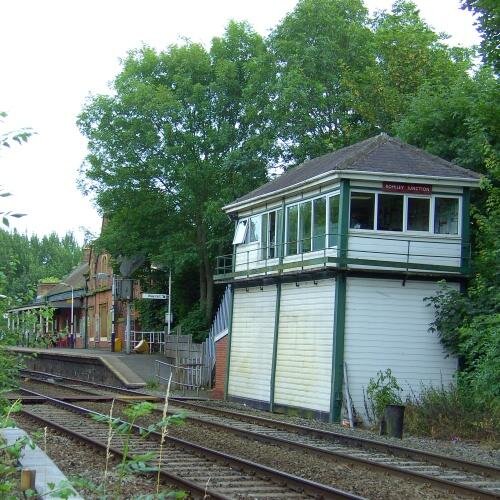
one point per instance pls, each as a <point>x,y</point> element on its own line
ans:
<point>195,324</point>
<point>451,412</point>
<point>383,391</point>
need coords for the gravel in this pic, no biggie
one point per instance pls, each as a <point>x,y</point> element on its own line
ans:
<point>353,478</point>
<point>77,459</point>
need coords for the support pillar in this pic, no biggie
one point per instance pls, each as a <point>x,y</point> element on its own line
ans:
<point>340,305</point>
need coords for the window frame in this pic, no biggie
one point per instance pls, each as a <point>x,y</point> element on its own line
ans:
<point>243,237</point>
<point>433,213</point>
<point>432,206</point>
<point>327,195</point>
<point>265,243</point>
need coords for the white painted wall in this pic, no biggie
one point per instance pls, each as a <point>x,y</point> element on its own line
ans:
<point>387,327</point>
<point>252,338</point>
<point>305,336</point>
<point>377,245</point>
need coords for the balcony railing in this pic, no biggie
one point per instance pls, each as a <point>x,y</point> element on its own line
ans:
<point>418,253</point>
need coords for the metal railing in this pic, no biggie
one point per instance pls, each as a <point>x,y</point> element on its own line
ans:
<point>361,248</point>
<point>155,340</point>
<point>188,376</point>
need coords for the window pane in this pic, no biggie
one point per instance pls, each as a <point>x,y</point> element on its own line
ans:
<point>254,228</point>
<point>333,228</point>
<point>390,212</point>
<point>271,235</point>
<point>418,214</point>
<point>362,210</point>
<point>292,230</point>
<point>446,216</point>
<point>305,227</point>
<point>265,245</point>
<point>319,223</point>
<point>240,232</point>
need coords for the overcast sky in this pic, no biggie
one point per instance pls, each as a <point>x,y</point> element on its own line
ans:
<point>57,52</point>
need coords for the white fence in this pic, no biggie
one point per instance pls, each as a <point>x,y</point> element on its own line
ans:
<point>154,340</point>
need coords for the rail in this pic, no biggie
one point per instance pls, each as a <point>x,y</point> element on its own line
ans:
<point>420,252</point>
<point>218,475</point>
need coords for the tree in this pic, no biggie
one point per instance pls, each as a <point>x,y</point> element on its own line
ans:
<point>323,59</point>
<point>179,138</point>
<point>456,121</point>
<point>341,77</point>
<point>6,140</point>
<point>488,12</point>
<point>24,261</point>
<point>410,57</point>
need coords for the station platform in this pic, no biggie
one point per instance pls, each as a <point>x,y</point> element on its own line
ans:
<point>128,370</point>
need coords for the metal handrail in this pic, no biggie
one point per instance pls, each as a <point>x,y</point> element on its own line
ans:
<point>225,264</point>
<point>154,339</point>
<point>190,375</point>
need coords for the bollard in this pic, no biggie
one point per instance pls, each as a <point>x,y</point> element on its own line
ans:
<point>393,420</point>
<point>28,477</point>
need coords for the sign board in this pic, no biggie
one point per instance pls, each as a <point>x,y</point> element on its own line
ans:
<point>124,289</point>
<point>155,296</point>
<point>168,318</point>
<point>404,187</point>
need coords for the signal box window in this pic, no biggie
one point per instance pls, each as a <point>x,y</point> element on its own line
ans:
<point>418,214</point>
<point>362,210</point>
<point>390,212</point>
<point>446,216</point>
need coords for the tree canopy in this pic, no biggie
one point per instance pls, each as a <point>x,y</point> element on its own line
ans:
<point>188,129</point>
<point>25,260</point>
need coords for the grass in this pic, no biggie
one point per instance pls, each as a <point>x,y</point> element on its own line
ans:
<point>452,413</point>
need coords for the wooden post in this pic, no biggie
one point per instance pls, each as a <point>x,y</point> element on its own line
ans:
<point>27,482</point>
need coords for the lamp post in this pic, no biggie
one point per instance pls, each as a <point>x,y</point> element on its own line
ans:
<point>72,338</point>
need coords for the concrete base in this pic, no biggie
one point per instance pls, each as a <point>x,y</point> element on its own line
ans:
<point>47,471</point>
<point>86,365</point>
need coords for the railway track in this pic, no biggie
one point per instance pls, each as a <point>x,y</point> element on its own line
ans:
<point>453,475</point>
<point>203,472</point>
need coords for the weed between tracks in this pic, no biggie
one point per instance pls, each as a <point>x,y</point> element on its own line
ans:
<point>133,464</point>
<point>115,481</point>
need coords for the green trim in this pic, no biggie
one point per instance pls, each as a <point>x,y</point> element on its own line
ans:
<point>343,222</point>
<point>465,251</point>
<point>282,232</point>
<point>233,262</point>
<point>337,375</point>
<point>338,348</point>
<point>229,335</point>
<point>275,345</point>
<point>402,265</point>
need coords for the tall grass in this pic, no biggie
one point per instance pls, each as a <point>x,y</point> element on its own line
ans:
<point>452,412</point>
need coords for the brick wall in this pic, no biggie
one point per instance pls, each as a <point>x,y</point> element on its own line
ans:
<point>220,368</point>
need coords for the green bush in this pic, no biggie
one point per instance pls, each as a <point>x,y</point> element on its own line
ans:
<point>194,323</point>
<point>382,391</point>
<point>451,412</point>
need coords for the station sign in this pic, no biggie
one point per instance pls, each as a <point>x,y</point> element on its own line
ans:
<point>155,296</point>
<point>404,187</point>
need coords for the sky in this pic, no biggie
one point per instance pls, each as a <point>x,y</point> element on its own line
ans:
<point>56,53</point>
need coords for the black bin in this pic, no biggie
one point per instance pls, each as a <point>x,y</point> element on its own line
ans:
<point>393,420</point>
